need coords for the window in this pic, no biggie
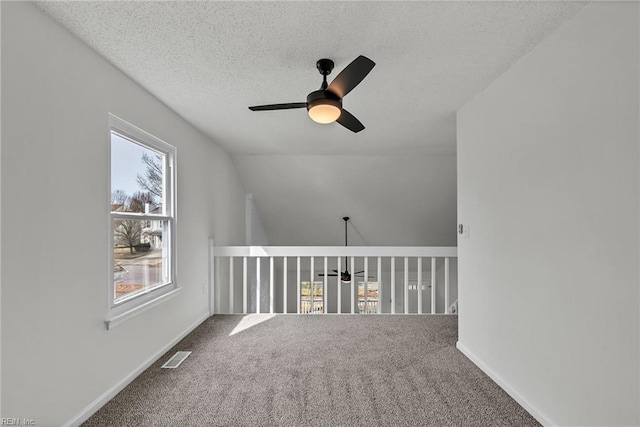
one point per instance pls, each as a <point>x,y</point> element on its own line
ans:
<point>368,297</point>
<point>142,218</point>
<point>311,297</point>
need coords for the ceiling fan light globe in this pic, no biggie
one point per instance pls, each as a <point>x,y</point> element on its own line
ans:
<point>324,113</point>
<point>324,106</point>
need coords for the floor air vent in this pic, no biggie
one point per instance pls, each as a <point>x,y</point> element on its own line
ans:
<point>176,360</point>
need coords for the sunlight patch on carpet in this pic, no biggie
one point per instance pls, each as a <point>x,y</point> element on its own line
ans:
<point>249,321</point>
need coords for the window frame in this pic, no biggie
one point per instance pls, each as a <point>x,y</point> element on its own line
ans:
<point>139,302</point>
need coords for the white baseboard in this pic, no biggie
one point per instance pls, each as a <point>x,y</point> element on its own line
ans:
<point>535,412</point>
<point>110,394</point>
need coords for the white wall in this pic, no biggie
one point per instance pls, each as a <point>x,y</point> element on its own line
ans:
<point>57,357</point>
<point>392,199</point>
<point>0,238</point>
<point>638,192</point>
<point>255,233</point>
<point>548,183</point>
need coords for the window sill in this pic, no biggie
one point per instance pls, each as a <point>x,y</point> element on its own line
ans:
<point>112,322</point>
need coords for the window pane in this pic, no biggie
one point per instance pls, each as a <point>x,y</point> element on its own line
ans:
<point>311,303</point>
<point>368,302</point>
<point>137,177</point>
<point>372,290</point>
<point>140,256</point>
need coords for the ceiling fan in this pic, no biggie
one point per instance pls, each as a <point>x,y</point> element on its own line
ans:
<point>345,276</point>
<point>325,105</point>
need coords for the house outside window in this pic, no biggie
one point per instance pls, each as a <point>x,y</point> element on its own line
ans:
<point>142,217</point>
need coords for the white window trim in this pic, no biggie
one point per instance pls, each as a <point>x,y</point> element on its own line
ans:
<point>123,310</point>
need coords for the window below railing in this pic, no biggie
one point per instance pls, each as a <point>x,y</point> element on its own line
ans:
<point>356,280</point>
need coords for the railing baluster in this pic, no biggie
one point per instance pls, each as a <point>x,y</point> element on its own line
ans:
<point>406,285</point>
<point>379,279</point>
<point>366,285</point>
<point>419,285</point>
<point>258,285</point>
<point>272,296</point>
<point>298,284</point>
<point>284,285</point>
<point>313,285</point>
<point>353,280</point>
<point>433,285</point>
<point>393,285</point>
<point>245,297</point>
<point>324,287</point>
<point>339,280</point>
<point>446,285</point>
<point>231,285</point>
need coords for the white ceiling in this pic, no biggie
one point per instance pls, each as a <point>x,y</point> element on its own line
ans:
<point>210,60</point>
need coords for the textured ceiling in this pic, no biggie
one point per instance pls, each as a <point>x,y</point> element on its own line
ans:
<point>210,60</point>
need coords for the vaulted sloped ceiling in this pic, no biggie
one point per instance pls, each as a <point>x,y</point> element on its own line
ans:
<point>209,61</point>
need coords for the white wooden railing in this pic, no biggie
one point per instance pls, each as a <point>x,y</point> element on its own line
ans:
<point>279,279</point>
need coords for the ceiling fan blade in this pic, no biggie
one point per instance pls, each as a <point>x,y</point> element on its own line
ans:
<point>328,275</point>
<point>351,76</point>
<point>279,106</point>
<point>347,120</point>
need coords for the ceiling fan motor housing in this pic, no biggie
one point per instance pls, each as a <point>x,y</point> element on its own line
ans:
<point>325,97</point>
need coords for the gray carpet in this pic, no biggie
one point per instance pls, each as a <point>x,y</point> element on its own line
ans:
<point>317,370</point>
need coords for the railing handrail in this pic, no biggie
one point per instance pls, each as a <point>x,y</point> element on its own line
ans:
<point>330,251</point>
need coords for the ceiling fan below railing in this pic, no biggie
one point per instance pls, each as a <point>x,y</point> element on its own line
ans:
<point>345,276</point>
